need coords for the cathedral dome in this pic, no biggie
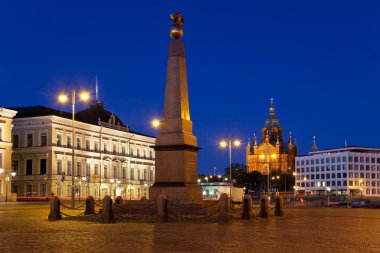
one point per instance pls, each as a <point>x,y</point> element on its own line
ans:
<point>96,113</point>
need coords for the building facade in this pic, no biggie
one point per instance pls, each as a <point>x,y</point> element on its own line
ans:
<point>271,153</point>
<point>109,158</point>
<point>349,171</point>
<point>6,116</point>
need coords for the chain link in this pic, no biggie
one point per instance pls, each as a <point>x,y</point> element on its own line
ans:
<point>193,219</point>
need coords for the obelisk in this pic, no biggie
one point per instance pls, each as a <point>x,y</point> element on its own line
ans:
<point>176,146</point>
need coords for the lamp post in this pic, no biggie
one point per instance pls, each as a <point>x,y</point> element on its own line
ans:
<point>269,166</point>
<point>63,98</point>
<point>224,144</point>
<point>8,177</point>
<point>275,178</point>
<point>129,166</point>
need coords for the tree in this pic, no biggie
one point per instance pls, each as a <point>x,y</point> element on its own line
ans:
<point>253,182</point>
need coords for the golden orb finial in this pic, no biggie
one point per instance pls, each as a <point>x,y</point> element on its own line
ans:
<point>176,31</point>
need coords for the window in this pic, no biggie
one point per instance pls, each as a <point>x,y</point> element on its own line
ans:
<point>114,172</point>
<point>138,175</point>
<point>15,140</point>
<point>29,140</point>
<point>29,167</point>
<point>138,152</point>
<point>367,159</point>
<point>59,167</point>
<point>15,166</point>
<point>69,168</point>
<point>43,166</point>
<point>68,141</point>
<point>105,147</point>
<point>123,150</point>
<point>145,175</point>
<point>96,146</point>
<point>43,190</point>
<point>43,139</point>
<point>88,170</point>
<point>114,149</point>
<point>78,143</point>
<point>338,159</point>
<point>96,169</point>
<point>362,159</point>
<point>132,177</point>
<point>69,188</point>
<point>356,159</point>
<point>87,144</point>
<point>105,171</point>
<point>123,170</point>
<point>327,160</point>
<point>151,175</point>
<point>79,169</point>
<point>59,140</point>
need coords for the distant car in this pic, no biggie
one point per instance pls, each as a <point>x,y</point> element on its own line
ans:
<point>356,203</point>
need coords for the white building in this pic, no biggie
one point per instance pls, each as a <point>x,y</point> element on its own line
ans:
<point>6,117</point>
<point>353,170</point>
<point>109,158</point>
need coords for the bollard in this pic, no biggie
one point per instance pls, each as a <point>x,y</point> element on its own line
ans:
<point>119,200</point>
<point>55,209</point>
<point>247,207</point>
<point>264,206</point>
<point>279,206</point>
<point>224,208</point>
<point>90,206</point>
<point>162,209</point>
<point>107,215</point>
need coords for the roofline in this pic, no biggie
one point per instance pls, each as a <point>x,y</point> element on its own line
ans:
<point>60,116</point>
<point>342,149</point>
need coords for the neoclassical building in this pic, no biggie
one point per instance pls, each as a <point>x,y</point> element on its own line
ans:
<point>109,157</point>
<point>6,116</point>
<point>271,152</point>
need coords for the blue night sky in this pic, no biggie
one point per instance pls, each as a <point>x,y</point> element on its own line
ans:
<point>319,60</point>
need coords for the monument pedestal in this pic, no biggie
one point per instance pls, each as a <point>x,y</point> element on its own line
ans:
<point>178,192</point>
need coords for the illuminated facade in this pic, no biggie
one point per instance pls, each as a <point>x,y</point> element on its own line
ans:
<point>349,170</point>
<point>6,117</point>
<point>272,153</point>
<point>109,158</point>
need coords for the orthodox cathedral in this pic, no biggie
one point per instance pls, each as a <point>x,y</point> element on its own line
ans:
<point>271,153</point>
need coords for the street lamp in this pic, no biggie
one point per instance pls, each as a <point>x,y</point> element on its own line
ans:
<point>223,144</point>
<point>64,98</point>
<point>155,123</point>
<point>269,166</point>
<point>8,177</point>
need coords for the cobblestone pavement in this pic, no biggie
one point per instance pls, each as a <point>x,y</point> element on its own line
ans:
<point>24,228</point>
